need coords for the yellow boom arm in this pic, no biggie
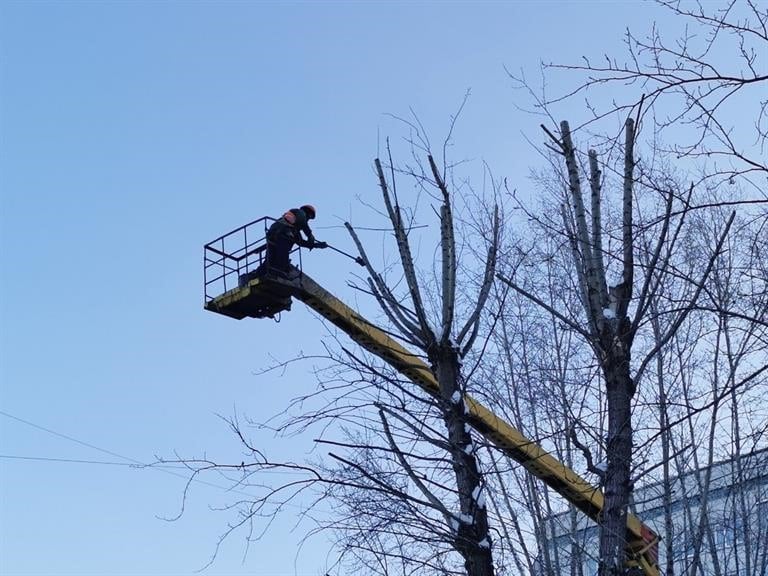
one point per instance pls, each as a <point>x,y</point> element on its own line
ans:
<point>266,293</point>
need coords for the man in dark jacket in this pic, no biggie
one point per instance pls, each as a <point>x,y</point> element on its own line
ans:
<point>287,231</point>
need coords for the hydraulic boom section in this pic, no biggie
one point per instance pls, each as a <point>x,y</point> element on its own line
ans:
<point>249,300</point>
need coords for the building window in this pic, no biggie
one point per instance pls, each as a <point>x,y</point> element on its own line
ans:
<point>762,516</point>
<point>590,567</point>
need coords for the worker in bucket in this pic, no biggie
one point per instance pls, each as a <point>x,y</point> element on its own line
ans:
<point>287,231</point>
<point>281,237</point>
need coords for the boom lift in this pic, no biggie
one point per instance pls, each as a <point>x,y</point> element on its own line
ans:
<point>229,258</point>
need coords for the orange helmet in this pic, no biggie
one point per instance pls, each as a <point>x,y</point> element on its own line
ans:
<point>309,210</point>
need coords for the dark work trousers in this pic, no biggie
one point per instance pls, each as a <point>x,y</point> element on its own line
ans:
<point>280,239</point>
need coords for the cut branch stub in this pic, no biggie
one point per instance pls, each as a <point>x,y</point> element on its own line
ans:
<point>406,258</point>
<point>593,281</point>
<point>625,288</point>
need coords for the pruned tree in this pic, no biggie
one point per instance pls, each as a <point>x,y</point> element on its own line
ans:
<point>613,311</point>
<point>444,344</point>
<point>701,92</point>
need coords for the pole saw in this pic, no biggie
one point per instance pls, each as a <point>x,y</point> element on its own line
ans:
<point>357,259</point>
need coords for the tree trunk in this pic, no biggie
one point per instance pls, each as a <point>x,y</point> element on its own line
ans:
<point>472,538</point>
<point>620,389</point>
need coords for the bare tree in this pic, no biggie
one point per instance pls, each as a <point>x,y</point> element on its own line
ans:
<point>694,88</point>
<point>705,91</point>
<point>444,344</point>
<point>613,312</point>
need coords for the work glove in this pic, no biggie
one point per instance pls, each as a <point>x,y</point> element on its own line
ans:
<point>321,245</point>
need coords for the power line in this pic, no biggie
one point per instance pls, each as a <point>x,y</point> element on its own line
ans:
<point>133,462</point>
<point>129,464</point>
<point>72,461</point>
<point>60,435</point>
<point>160,467</point>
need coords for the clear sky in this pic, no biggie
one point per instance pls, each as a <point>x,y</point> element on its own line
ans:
<point>131,133</point>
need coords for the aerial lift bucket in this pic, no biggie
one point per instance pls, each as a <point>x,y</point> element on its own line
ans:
<point>236,279</point>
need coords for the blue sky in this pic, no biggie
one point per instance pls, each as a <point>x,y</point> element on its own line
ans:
<point>131,133</point>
